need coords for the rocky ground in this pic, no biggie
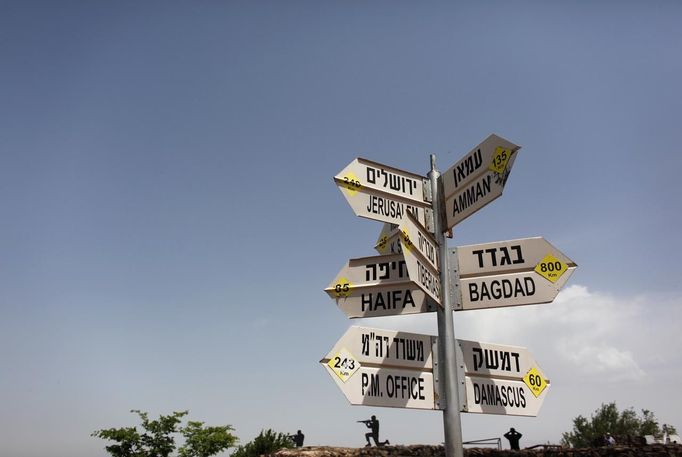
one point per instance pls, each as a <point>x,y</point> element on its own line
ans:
<point>438,451</point>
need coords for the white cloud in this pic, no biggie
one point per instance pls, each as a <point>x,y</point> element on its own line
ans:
<point>582,334</point>
<point>595,347</point>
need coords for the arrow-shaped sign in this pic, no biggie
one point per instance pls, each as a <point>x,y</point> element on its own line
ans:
<point>500,396</point>
<point>382,193</point>
<point>389,240</point>
<point>509,273</point>
<point>477,179</point>
<point>500,379</point>
<point>421,256</point>
<point>376,367</point>
<point>378,286</point>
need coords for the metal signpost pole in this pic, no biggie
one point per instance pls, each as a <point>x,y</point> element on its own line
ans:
<point>447,363</point>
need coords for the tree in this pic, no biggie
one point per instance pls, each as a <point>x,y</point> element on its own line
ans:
<point>607,419</point>
<point>203,441</point>
<point>157,437</point>
<point>265,443</point>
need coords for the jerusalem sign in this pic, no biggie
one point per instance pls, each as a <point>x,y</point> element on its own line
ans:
<point>382,193</point>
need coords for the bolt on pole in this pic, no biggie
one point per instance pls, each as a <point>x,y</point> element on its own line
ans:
<point>447,363</point>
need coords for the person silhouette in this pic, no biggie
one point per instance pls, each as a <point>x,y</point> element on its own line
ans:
<point>513,436</point>
<point>297,438</point>
<point>373,424</point>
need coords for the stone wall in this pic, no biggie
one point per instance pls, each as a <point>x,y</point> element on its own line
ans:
<point>656,450</point>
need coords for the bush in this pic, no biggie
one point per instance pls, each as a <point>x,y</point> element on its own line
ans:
<point>265,443</point>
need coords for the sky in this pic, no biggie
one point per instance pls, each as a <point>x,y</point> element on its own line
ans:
<point>169,218</point>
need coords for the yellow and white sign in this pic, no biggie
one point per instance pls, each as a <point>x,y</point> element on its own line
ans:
<point>551,268</point>
<point>525,271</point>
<point>535,381</point>
<point>421,257</point>
<point>343,364</point>
<point>500,379</point>
<point>477,179</point>
<point>382,193</point>
<point>377,367</point>
<point>378,286</point>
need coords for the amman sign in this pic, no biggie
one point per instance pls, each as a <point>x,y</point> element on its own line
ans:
<point>509,273</point>
<point>378,286</point>
<point>382,193</point>
<point>477,179</point>
<point>375,367</point>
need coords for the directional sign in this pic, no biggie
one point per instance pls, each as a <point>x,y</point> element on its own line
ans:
<point>389,240</point>
<point>382,193</point>
<point>421,256</point>
<point>509,273</point>
<point>378,286</point>
<point>495,360</point>
<point>501,396</point>
<point>477,179</point>
<point>376,367</point>
<point>501,379</point>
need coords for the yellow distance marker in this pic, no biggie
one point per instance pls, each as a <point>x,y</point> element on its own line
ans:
<point>344,365</point>
<point>342,288</point>
<point>500,159</point>
<point>406,238</point>
<point>351,183</point>
<point>382,242</point>
<point>551,268</point>
<point>535,382</point>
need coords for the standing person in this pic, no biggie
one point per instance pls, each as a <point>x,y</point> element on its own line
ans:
<point>610,440</point>
<point>373,424</point>
<point>297,438</point>
<point>513,436</point>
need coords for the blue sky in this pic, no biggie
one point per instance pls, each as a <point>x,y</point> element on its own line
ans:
<point>170,221</point>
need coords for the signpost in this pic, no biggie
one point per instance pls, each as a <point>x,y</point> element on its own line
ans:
<point>477,179</point>
<point>382,193</point>
<point>378,286</point>
<point>375,367</point>
<point>509,273</point>
<point>417,273</point>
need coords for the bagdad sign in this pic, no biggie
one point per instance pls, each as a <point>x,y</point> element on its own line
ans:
<point>378,286</point>
<point>382,193</point>
<point>500,379</point>
<point>376,367</point>
<point>525,271</point>
<point>477,179</point>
